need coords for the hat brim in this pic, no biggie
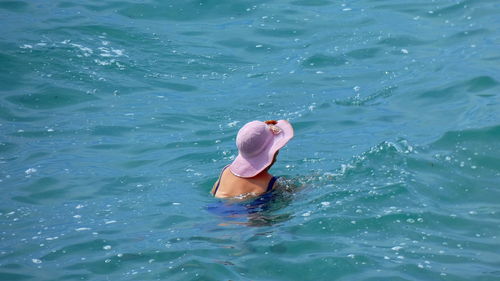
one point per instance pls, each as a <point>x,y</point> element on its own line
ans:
<point>247,167</point>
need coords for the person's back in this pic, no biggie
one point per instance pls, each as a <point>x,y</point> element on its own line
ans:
<point>258,145</point>
<point>230,185</point>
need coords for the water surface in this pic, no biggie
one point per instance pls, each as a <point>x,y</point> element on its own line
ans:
<point>117,116</point>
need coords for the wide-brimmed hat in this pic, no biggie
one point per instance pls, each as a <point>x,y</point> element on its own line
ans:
<point>257,143</point>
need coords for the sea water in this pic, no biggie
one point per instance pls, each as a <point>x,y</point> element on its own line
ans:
<point>116,118</point>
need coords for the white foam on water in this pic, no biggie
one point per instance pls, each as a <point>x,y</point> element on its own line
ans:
<point>325,204</point>
<point>232,124</point>
<point>86,50</point>
<point>103,63</point>
<point>30,171</point>
<point>83,229</point>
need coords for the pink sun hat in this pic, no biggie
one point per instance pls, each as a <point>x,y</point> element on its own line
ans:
<point>257,143</point>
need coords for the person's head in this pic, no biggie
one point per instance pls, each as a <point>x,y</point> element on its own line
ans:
<point>258,144</point>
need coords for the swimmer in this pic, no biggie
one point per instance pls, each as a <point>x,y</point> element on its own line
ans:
<point>258,146</point>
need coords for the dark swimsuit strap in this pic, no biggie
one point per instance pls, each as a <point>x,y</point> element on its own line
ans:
<point>271,183</point>
<point>218,181</point>
<point>269,186</point>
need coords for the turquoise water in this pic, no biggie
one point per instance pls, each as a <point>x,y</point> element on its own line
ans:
<point>117,116</point>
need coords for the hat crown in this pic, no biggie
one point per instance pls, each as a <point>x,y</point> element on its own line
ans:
<point>253,138</point>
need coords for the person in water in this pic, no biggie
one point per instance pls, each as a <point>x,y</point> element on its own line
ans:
<point>258,146</point>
